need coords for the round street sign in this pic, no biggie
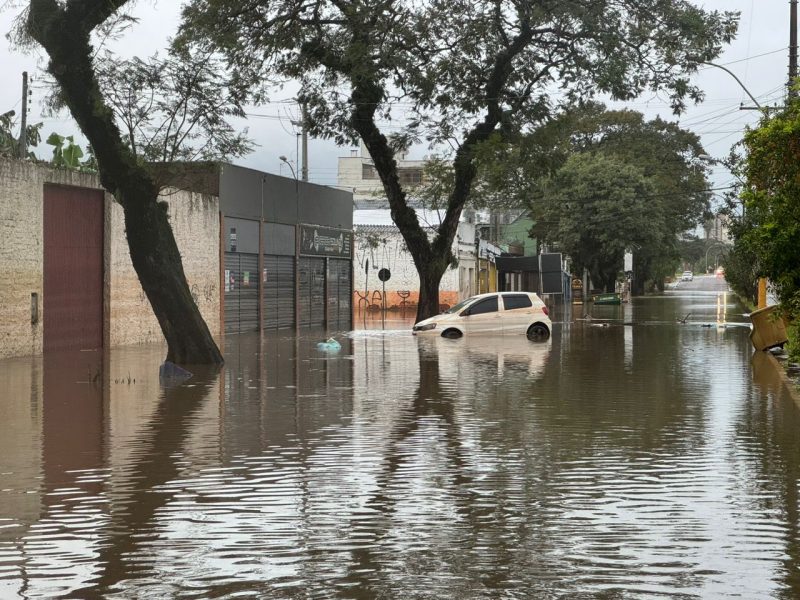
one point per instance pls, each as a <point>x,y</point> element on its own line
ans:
<point>384,274</point>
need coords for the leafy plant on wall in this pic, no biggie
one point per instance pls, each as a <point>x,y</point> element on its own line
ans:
<point>9,143</point>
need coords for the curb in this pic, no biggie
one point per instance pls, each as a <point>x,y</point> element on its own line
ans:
<point>787,383</point>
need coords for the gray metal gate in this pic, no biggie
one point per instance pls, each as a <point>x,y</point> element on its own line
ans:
<point>312,292</point>
<point>339,294</point>
<point>241,292</point>
<point>278,280</point>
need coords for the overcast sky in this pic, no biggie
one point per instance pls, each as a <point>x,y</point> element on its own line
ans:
<point>759,57</point>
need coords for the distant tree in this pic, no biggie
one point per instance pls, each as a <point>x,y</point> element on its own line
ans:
<point>742,271</point>
<point>65,29</point>
<point>174,108</point>
<point>460,70</point>
<point>692,252</point>
<point>596,207</point>
<point>665,153</point>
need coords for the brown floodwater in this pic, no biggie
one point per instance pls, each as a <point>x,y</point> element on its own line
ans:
<point>630,457</point>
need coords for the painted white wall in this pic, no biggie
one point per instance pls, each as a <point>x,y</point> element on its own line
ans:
<point>382,246</point>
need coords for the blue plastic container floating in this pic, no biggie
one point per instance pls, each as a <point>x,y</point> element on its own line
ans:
<point>329,345</point>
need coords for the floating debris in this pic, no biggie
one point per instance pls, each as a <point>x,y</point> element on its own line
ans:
<point>171,374</point>
<point>329,345</point>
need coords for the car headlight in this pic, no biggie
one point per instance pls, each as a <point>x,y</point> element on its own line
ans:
<point>427,327</point>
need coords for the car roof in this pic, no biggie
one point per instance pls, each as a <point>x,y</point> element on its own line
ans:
<point>488,294</point>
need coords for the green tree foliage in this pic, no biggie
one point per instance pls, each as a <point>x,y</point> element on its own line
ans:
<point>695,251</point>
<point>595,207</point>
<point>741,271</point>
<point>766,228</point>
<point>461,71</point>
<point>664,154</point>
<point>9,143</point>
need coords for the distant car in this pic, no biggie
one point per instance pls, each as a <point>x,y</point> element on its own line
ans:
<point>720,272</point>
<point>687,276</point>
<point>503,313</point>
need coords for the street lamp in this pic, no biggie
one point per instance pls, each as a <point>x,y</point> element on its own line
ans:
<point>762,282</point>
<point>296,188</point>
<point>291,168</point>
<point>713,245</point>
<point>739,81</point>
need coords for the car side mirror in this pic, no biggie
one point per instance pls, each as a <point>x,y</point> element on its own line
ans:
<point>465,313</point>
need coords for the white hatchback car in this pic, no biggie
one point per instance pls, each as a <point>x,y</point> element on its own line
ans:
<point>503,313</point>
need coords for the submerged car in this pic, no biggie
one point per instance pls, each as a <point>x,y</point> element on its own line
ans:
<point>500,313</point>
<point>687,276</point>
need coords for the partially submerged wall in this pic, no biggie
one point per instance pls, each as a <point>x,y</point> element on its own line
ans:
<point>21,249</point>
<point>195,224</point>
<point>128,317</point>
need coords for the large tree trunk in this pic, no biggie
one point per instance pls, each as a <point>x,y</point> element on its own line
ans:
<point>158,264</point>
<point>64,33</point>
<point>640,267</point>
<point>430,278</point>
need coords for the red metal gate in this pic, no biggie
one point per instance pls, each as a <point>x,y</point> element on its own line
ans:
<point>73,268</point>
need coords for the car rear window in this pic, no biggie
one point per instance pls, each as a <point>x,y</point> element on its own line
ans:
<point>516,301</point>
<point>486,305</point>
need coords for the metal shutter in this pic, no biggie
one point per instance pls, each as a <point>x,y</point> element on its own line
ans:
<point>279,292</point>
<point>285,271</point>
<point>231,287</point>
<point>312,292</point>
<point>241,292</point>
<point>248,292</point>
<point>270,292</point>
<point>339,294</point>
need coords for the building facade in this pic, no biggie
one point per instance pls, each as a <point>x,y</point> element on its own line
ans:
<point>357,173</point>
<point>288,251</point>
<point>259,252</point>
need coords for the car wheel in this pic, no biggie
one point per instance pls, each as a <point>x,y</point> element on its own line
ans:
<point>452,334</point>
<point>538,332</point>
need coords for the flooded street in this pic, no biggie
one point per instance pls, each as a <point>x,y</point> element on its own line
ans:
<point>631,455</point>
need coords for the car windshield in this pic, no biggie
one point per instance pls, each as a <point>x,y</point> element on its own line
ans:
<point>459,306</point>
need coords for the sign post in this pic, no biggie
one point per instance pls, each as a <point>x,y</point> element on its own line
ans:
<point>384,275</point>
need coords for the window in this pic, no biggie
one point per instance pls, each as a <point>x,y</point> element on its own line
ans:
<point>486,305</point>
<point>410,175</point>
<point>513,301</point>
<point>368,171</point>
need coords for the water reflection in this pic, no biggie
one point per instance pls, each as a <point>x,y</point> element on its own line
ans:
<point>634,456</point>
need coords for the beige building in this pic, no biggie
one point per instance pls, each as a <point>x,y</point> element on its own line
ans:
<point>717,227</point>
<point>357,173</point>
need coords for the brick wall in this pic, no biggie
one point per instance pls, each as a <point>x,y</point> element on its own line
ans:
<point>195,224</point>
<point>129,319</point>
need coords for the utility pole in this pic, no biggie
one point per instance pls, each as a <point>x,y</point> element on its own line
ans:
<point>23,134</point>
<point>792,45</point>
<point>304,133</point>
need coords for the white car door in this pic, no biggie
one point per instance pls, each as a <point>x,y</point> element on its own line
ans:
<point>517,313</point>
<point>483,317</point>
